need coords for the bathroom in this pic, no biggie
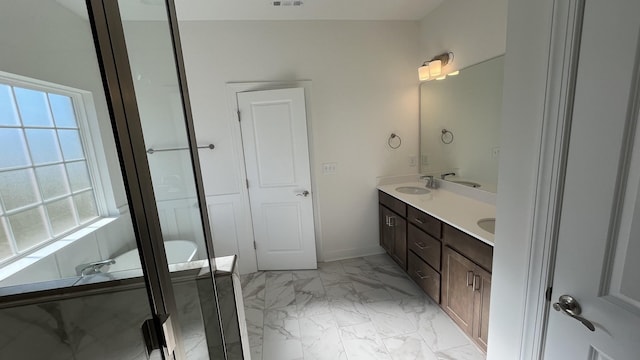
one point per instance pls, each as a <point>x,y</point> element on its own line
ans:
<point>359,74</point>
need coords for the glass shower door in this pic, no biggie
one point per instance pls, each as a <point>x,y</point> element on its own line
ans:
<point>64,212</point>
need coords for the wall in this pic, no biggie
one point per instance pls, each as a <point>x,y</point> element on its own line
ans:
<point>528,37</point>
<point>364,87</point>
<point>473,30</point>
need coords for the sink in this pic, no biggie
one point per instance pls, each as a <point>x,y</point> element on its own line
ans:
<point>466,183</point>
<point>413,190</point>
<point>488,225</point>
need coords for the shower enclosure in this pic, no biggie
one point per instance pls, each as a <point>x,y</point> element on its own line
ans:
<point>99,163</point>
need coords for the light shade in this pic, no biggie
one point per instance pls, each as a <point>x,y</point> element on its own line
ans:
<point>423,73</point>
<point>435,68</point>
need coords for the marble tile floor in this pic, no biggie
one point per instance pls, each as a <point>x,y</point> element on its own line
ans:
<point>364,308</point>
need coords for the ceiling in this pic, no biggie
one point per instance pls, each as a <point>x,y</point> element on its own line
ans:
<point>264,9</point>
<point>309,10</point>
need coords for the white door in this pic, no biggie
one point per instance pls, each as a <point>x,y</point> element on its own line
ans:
<point>274,139</point>
<point>599,234</point>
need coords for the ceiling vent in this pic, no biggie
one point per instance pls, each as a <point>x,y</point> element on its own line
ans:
<point>287,3</point>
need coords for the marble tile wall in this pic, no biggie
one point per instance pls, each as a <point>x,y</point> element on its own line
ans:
<point>364,308</point>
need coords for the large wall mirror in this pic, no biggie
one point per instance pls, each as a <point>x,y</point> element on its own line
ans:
<point>460,125</point>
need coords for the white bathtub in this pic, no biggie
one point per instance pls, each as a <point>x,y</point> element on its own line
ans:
<point>178,251</point>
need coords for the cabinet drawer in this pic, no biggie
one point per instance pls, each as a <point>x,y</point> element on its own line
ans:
<point>427,278</point>
<point>428,223</point>
<point>467,245</point>
<point>392,203</point>
<point>425,246</point>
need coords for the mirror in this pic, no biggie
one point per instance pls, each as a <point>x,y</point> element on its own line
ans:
<point>460,125</point>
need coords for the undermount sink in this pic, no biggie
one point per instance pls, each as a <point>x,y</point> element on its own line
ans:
<point>413,190</point>
<point>466,183</point>
<point>488,225</point>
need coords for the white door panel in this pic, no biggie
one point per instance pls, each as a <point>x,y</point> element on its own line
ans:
<point>599,232</point>
<point>275,144</point>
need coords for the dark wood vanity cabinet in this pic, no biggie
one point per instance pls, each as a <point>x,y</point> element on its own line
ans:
<point>452,267</point>
<point>393,228</point>
<point>466,282</point>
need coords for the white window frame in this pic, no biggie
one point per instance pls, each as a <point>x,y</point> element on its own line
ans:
<point>95,157</point>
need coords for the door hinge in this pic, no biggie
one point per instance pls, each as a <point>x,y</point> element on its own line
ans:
<point>254,246</point>
<point>238,112</point>
<point>158,335</point>
<point>247,181</point>
<point>547,294</point>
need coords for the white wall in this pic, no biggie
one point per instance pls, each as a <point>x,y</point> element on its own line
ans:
<point>364,86</point>
<point>526,62</point>
<point>473,30</point>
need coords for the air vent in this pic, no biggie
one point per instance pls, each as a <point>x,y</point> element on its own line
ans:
<point>288,3</point>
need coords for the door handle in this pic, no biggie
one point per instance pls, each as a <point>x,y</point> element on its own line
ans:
<point>568,305</point>
<point>470,278</point>
<point>305,193</point>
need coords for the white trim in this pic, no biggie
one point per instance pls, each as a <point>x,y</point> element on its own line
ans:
<point>562,66</point>
<point>352,253</point>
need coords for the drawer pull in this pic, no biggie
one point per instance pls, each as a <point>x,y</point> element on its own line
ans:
<point>421,245</point>
<point>419,221</point>
<point>470,279</point>
<point>476,282</point>
<point>421,275</point>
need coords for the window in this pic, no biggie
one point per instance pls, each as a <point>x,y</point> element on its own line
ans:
<point>46,187</point>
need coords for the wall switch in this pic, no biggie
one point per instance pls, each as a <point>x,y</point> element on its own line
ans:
<point>329,168</point>
<point>495,152</point>
<point>413,160</point>
<point>424,160</point>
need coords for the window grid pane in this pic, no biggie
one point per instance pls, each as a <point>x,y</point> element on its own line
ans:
<point>44,142</point>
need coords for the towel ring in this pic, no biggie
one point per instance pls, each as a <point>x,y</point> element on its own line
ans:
<point>394,136</point>
<point>446,137</point>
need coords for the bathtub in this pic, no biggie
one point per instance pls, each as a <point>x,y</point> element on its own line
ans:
<point>178,251</point>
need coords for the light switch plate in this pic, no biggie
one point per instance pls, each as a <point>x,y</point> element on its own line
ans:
<point>329,168</point>
<point>413,160</point>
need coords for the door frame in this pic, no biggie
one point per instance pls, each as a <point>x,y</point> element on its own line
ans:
<point>247,253</point>
<point>552,143</point>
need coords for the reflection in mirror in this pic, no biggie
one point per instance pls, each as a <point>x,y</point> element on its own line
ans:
<point>468,107</point>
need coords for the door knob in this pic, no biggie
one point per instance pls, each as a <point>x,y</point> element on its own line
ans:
<point>568,305</point>
<point>305,193</point>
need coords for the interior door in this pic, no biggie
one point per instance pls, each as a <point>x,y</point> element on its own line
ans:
<point>276,151</point>
<point>599,232</point>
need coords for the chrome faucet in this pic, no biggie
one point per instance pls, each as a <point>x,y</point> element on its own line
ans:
<point>431,182</point>
<point>93,267</point>
<point>442,176</point>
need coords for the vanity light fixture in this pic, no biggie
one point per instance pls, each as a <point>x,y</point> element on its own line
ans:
<point>436,68</point>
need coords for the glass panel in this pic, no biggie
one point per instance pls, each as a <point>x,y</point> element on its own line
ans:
<point>33,107</point>
<point>78,176</point>
<point>62,109</point>
<point>8,114</point>
<point>13,148</point>
<point>71,145</point>
<point>53,181</point>
<point>61,216</point>
<point>18,188</point>
<point>161,108</point>
<point>43,144</point>
<point>86,206</point>
<point>29,228</point>
<point>5,248</point>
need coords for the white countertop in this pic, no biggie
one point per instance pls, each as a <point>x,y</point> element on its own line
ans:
<point>457,210</point>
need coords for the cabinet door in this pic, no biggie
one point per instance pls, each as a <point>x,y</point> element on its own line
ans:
<point>399,254</point>
<point>386,234</point>
<point>482,297</point>
<point>457,289</point>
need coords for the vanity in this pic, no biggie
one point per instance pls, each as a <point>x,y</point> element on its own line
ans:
<point>436,239</point>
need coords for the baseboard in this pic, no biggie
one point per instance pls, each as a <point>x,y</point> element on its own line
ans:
<point>352,253</point>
